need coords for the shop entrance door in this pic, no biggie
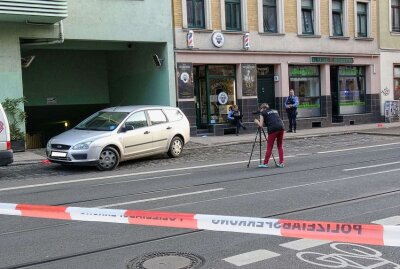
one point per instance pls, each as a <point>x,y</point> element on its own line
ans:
<point>335,94</point>
<point>266,91</point>
<point>201,97</point>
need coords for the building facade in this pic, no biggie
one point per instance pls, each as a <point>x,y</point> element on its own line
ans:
<point>389,37</point>
<point>70,58</point>
<point>248,52</point>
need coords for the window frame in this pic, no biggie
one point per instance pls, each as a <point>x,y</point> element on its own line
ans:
<point>207,16</point>
<point>341,14</point>
<point>279,17</point>
<point>315,13</point>
<point>243,15</point>
<point>266,18</point>
<point>367,19</point>
<point>194,26</point>
<point>392,17</point>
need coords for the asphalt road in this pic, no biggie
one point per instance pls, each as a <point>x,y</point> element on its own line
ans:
<point>346,178</point>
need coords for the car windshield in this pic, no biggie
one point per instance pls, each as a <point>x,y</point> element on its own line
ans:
<point>102,121</point>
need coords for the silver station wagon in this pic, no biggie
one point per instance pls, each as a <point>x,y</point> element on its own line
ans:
<point>121,133</point>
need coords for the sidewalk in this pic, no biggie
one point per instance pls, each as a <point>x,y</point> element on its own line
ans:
<point>391,129</point>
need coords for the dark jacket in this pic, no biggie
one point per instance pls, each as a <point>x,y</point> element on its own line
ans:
<point>272,121</point>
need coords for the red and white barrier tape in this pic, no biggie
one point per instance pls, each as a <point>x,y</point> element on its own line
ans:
<point>373,234</point>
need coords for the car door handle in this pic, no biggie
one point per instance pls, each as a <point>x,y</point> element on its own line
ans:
<point>147,132</point>
<point>169,128</point>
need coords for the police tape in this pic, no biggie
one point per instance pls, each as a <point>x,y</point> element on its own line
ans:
<point>372,234</point>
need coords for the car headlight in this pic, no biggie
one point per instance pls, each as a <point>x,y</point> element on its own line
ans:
<point>84,145</point>
<point>49,144</point>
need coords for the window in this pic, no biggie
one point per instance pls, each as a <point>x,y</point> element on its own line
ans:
<point>233,18</point>
<point>307,16</point>
<point>396,15</point>
<point>156,117</point>
<point>270,16</point>
<point>362,19</point>
<point>337,17</point>
<point>396,92</point>
<point>173,114</point>
<point>351,90</point>
<point>137,120</point>
<point>305,81</point>
<point>195,13</point>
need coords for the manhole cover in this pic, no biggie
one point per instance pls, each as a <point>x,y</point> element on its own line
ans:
<point>166,260</point>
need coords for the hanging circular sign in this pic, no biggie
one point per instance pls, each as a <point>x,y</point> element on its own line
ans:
<point>223,98</point>
<point>218,39</point>
<point>185,77</point>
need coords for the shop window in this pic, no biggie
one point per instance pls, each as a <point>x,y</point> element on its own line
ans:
<point>337,18</point>
<point>396,84</point>
<point>351,84</point>
<point>305,81</point>
<point>233,16</point>
<point>362,19</point>
<point>270,16</point>
<point>195,14</point>
<point>396,15</point>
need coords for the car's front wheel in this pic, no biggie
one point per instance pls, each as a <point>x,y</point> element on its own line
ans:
<point>176,147</point>
<point>108,159</point>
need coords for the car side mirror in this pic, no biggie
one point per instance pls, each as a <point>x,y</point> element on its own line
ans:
<point>128,128</point>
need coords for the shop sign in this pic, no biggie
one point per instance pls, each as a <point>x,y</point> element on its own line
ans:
<point>223,98</point>
<point>332,60</point>
<point>350,71</point>
<point>249,79</point>
<point>218,39</point>
<point>51,100</point>
<point>303,71</point>
<point>184,75</point>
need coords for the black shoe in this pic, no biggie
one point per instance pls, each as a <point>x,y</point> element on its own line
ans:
<point>289,131</point>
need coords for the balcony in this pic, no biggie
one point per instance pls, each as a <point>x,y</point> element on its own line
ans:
<point>34,11</point>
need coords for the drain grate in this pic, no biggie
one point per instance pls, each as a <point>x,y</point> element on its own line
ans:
<point>166,260</point>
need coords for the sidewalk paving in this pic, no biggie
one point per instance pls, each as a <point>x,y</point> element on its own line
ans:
<point>392,129</point>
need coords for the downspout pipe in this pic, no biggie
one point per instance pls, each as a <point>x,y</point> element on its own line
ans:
<point>60,40</point>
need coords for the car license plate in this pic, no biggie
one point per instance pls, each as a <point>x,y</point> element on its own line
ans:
<point>58,154</point>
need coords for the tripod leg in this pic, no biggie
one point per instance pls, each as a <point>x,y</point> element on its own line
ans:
<point>273,157</point>
<point>252,149</point>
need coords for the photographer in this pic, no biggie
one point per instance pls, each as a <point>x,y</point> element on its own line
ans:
<point>270,118</point>
<point>291,104</point>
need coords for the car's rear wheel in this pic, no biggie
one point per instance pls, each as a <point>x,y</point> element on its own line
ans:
<point>176,147</point>
<point>108,159</point>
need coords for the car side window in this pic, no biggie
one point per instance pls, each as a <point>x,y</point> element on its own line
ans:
<point>137,120</point>
<point>156,116</point>
<point>173,114</point>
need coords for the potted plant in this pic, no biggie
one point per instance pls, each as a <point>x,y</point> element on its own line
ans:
<point>16,117</point>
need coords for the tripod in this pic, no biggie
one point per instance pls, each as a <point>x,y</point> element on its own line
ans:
<point>258,135</point>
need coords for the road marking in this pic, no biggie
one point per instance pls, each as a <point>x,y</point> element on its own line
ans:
<point>282,189</point>
<point>251,257</point>
<point>142,179</point>
<point>370,166</point>
<point>366,147</point>
<point>303,244</point>
<point>126,175</point>
<point>162,198</point>
<point>395,220</point>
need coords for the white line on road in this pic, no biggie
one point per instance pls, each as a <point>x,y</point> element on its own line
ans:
<point>350,149</point>
<point>141,179</point>
<point>251,257</point>
<point>161,198</point>
<point>369,166</point>
<point>395,220</point>
<point>303,244</point>
<point>126,175</point>
<point>285,188</point>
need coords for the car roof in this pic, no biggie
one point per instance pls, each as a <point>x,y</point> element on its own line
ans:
<point>135,108</point>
